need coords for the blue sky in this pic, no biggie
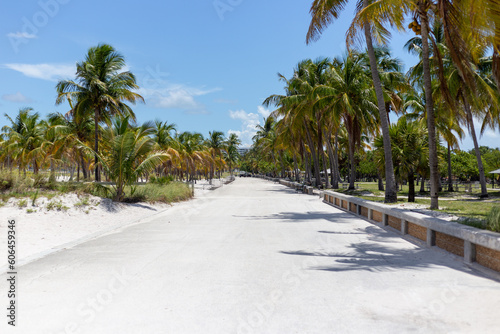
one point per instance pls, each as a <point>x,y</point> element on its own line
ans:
<point>201,64</point>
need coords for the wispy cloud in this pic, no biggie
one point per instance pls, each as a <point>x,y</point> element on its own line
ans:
<point>17,98</point>
<point>176,96</point>
<point>20,34</point>
<point>249,122</point>
<point>50,72</point>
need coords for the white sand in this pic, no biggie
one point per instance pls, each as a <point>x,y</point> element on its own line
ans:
<point>52,223</point>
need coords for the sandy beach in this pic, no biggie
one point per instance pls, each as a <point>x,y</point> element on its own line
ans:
<point>63,221</point>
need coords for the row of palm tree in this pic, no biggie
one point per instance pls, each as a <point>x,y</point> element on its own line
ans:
<point>327,97</point>
<point>454,83</point>
<point>100,124</point>
<point>469,29</point>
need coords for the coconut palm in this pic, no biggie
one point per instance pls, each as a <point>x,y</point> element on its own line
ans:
<point>216,144</point>
<point>25,137</point>
<point>192,152</point>
<point>128,153</point>
<point>231,151</point>
<point>348,96</point>
<point>323,13</point>
<point>409,149</point>
<point>101,88</point>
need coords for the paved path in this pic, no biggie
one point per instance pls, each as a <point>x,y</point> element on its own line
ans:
<point>253,257</point>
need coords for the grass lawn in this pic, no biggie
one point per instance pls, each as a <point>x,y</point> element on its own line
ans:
<point>13,185</point>
<point>461,204</point>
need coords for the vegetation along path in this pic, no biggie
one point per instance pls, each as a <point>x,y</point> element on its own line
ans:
<point>253,257</point>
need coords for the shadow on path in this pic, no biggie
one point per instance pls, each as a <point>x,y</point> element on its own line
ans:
<point>374,257</point>
<point>301,217</point>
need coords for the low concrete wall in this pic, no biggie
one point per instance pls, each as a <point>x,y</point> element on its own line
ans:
<point>474,245</point>
<point>297,186</point>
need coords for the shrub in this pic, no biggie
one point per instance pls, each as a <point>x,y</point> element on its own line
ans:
<point>162,180</point>
<point>173,192</point>
<point>493,219</point>
<point>59,206</point>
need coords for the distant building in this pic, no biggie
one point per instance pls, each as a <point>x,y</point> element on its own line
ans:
<point>243,150</point>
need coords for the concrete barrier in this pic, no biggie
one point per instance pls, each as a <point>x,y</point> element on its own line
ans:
<point>473,244</point>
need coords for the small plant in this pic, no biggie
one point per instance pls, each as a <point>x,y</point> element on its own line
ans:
<point>493,219</point>
<point>35,196</point>
<point>22,203</point>
<point>58,206</point>
<point>83,202</point>
<point>162,180</point>
<point>30,210</point>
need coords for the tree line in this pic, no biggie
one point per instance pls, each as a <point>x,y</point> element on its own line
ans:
<point>100,134</point>
<point>454,83</point>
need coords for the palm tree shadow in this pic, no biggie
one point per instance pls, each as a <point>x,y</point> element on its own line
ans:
<point>301,217</point>
<point>373,257</point>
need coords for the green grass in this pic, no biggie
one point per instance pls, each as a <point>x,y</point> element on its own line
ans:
<point>13,185</point>
<point>472,210</point>
<point>172,192</point>
<point>56,205</point>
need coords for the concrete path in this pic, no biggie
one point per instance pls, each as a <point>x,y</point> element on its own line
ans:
<point>252,257</point>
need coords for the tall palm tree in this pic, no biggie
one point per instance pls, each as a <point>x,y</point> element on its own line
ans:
<point>409,149</point>
<point>348,96</point>
<point>231,151</point>
<point>25,138</point>
<point>216,143</point>
<point>323,13</point>
<point>101,88</point>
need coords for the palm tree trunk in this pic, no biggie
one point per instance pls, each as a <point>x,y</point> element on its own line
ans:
<point>429,106</point>
<point>52,177</point>
<point>353,164</point>
<point>296,167</point>
<point>314,157</point>
<point>336,161</point>
<point>307,164</point>
<point>411,187</point>
<point>84,170</point>
<point>331,157</point>
<point>96,144</point>
<point>470,120</point>
<point>390,179</point>
<point>380,182</point>
<point>325,167</point>
<point>282,164</point>
<point>450,181</point>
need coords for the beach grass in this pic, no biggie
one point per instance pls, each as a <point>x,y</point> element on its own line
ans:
<point>13,185</point>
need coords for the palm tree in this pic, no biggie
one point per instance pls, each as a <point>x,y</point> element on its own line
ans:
<point>100,88</point>
<point>409,149</point>
<point>298,104</point>
<point>215,142</point>
<point>192,152</point>
<point>323,13</point>
<point>231,152</point>
<point>25,138</point>
<point>128,153</point>
<point>347,95</point>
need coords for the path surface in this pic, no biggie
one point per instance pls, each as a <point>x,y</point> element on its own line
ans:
<point>252,257</point>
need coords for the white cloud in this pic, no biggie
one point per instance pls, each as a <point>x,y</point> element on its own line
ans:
<point>51,72</point>
<point>17,97</point>
<point>20,34</point>
<point>263,111</point>
<point>249,121</point>
<point>176,96</point>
